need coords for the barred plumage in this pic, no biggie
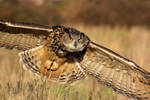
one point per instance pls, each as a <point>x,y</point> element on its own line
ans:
<point>121,74</point>
<point>39,61</point>
<point>66,55</point>
<point>20,41</point>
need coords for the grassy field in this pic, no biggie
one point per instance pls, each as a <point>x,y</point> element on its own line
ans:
<point>18,84</point>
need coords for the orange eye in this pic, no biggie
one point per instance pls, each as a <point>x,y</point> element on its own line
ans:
<point>70,39</point>
<point>79,40</point>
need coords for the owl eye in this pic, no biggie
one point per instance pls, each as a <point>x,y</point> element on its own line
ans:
<point>69,39</point>
<point>80,40</point>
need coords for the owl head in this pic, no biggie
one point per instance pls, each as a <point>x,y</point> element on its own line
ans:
<point>74,40</point>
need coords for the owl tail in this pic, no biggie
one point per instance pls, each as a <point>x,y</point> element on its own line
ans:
<point>32,59</point>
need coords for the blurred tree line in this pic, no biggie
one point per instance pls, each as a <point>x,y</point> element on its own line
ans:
<point>89,12</point>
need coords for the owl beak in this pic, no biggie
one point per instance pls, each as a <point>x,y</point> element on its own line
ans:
<point>75,44</point>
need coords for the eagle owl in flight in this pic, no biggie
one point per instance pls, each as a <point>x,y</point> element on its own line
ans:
<point>66,55</point>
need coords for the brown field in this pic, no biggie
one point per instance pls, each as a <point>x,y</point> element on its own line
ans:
<point>17,84</point>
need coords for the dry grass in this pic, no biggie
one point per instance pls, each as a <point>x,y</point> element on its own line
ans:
<point>18,84</point>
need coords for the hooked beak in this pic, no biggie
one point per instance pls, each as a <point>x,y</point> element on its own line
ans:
<point>75,44</point>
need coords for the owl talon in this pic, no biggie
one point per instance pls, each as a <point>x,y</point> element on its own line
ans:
<point>51,65</point>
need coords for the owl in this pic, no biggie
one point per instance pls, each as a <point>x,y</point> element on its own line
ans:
<point>65,55</point>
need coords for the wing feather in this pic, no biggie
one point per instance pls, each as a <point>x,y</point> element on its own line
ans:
<point>115,71</point>
<point>44,63</point>
<point>21,36</point>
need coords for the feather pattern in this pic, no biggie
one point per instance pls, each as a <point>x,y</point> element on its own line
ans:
<point>20,41</point>
<point>43,53</point>
<point>42,62</point>
<point>115,71</point>
<point>22,36</point>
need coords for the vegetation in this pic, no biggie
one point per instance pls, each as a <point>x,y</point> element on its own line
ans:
<point>116,24</point>
<point>91,12</point>
<point>17,84</point>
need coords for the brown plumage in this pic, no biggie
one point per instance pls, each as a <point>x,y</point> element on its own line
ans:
<point>66,55</point>
<point>115,71</point>
<point>40,61</point>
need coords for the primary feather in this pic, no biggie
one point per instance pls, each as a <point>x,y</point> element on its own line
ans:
<point>22,36</point>
<point>116,72</point>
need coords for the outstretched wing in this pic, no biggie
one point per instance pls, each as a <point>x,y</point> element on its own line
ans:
<point>21,36</point>
<point>115,71</point>
<point>36,58</point>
